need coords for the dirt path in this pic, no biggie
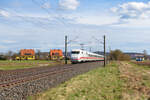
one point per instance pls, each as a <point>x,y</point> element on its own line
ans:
<point>137,81</point>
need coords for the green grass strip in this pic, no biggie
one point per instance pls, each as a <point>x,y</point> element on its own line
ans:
<point>98,84</point>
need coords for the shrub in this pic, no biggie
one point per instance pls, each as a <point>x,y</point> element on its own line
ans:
<point>118,55</point>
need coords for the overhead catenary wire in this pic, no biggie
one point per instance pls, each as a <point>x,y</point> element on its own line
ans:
<point>73,40</point>
<point>25,19</point>
<point>46,10</point>
<point>49,13</point>
<point>34,23</point>
<point>98,40</point>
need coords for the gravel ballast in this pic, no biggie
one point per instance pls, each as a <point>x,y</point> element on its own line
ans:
<point>22,91</point>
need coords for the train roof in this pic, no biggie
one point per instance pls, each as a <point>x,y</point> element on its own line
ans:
<point>87,52</point>
<point>77,50</point>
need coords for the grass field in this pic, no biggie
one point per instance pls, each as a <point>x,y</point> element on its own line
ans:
<point>99,84</point>
<point>11,65</point>
<point>143,63</point>
<point>118,81</point>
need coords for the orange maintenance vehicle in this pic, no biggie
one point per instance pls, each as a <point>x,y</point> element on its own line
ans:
<point>56,54</point>
<point>26,54</point>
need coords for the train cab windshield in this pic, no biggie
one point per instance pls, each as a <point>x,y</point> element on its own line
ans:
<point>75,52</point>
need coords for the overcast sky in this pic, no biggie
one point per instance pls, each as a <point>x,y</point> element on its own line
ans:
<point>42,24</point>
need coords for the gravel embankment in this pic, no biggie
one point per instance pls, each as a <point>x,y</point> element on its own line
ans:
<point>21,91</point>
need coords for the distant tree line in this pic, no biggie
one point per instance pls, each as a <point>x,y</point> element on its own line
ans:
<point>114,55</point>
<point>12,55</point>
<point>118,55</point>
<point>42,55</point>
<point>8,56</point>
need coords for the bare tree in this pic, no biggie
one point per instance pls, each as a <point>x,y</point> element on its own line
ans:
<point>145,54</point>
<point>9,55</point>
<point>15,55</point>
<point>38,54</point>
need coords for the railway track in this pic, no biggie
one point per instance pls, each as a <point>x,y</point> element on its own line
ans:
<point>17,77</point>
<point>18,84</point>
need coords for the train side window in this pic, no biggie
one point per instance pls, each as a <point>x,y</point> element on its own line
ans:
<point>75,52</point>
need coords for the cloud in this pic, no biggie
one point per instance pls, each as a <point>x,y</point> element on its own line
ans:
<point>96,20</point>
<point>132,10</point>
<point>9,41</point>
<point>134,23</point>
<point>46,5</point>
<point>69,4</point>
<point>4,13</point>
<point>2,47</point>
<point>90,19</point>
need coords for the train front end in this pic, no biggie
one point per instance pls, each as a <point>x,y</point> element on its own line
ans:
<point>75,56</point>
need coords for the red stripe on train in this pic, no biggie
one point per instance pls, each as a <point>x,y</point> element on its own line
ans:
<point>88,58</point>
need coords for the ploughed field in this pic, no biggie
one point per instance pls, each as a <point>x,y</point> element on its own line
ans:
<point>20,83</point>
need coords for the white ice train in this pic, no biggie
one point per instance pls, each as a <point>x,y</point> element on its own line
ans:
<point>78,55</point>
